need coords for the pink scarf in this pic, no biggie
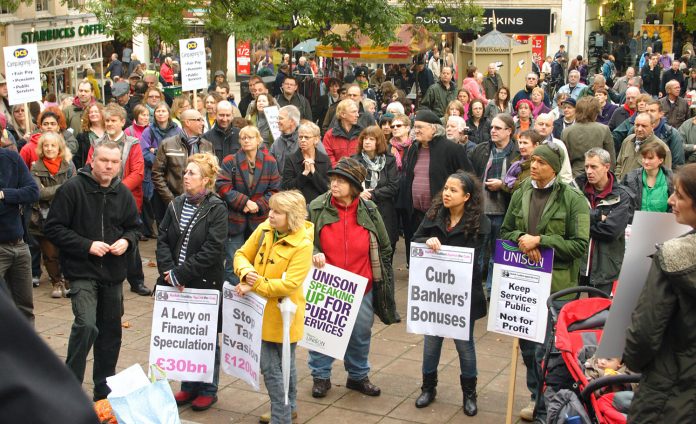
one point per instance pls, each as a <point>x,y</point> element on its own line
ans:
<point>398,149</point>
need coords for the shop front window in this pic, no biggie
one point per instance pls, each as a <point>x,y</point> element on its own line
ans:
<point>6,9</point>
<point>42,5</point>
<point>76,4</point>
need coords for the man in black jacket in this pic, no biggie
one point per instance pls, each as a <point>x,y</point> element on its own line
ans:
<point>430,160</point>
<point>651,76</point>
<point>93,220</point>
<point>223,136</point>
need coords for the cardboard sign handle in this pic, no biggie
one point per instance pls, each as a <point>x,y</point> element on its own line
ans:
<point>27,119</point>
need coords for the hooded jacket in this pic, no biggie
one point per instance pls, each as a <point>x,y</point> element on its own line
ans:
<point>282,266</point>
<point>132,165</point>
<point>82,212</point>
<point>438,97</point>
<point>660,341</point>
<point>18,188</point>
<point>339,144</point>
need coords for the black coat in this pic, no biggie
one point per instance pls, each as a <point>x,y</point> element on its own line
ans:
<point>83,146</point>
<point>385,194</point>
<point>311,185</point>
<point>203,267</point>
<point>446,158</point>
<point>438,228</point>
<point>651,79</point>
<point>480,134</point>
<point>224,143</point>
<point>82,212</point>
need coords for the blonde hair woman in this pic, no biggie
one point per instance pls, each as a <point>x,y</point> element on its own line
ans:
<point>274,262</point>
<point>190,253</point>
<point>53,168</point>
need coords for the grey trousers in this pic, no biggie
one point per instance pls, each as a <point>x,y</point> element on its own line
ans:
<point>15,269</point>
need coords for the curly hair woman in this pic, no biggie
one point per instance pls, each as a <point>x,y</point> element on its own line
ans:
<point>456,218</point>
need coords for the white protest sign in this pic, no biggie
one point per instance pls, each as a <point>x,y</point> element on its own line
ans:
<point>22,74</point>
<point>439,291</point>
<point>333,299</point>
<point>194,73</point>
<point>519,292</point>
<point>271,113</point>
<point>242,321</point>
<point>184,333</point>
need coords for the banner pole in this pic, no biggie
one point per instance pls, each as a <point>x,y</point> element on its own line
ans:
<point>513,378</point>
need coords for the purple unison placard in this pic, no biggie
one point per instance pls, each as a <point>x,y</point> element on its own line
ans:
<point>507,253</point>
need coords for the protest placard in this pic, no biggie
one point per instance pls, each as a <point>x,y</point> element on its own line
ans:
<point>184,333</point>
<point>439,291</point>
<point>519,292</point>
<point>271,113</point>
<point>22,74</point>
<point>194,72</point>
<point>333,299</point>
<point>242,321</point>
<point>633,275</point>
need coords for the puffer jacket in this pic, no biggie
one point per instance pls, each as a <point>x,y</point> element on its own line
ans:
<point>48,184</point>
<point>660,341</point>
<point>634,182</point>
<point>608,237</point>
<point>322,212</point>
<point>564,226</point>
<point>282,266</point>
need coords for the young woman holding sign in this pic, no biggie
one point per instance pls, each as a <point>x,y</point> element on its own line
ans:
<point>274,263</point>
<point>456,219</point>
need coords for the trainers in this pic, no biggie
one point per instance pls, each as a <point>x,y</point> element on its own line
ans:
<point>363,386</point>
<point>35,281</point>
<point>527,413</point>
<point>57,291</point>
<point>202,402</point>
<point>266,418</point>
<point>321,387</point>
<point>182,398</point>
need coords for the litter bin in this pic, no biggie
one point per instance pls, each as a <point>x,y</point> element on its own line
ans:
<point>173,91</point>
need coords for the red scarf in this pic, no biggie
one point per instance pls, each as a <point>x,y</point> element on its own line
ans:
<point>629,110</point>
<point>53,165</point>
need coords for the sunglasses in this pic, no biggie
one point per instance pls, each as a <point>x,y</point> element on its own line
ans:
<point>396,126</point>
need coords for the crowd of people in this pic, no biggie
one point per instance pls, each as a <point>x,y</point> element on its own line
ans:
<point>464,164</point>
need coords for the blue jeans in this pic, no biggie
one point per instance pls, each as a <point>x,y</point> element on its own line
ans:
<point>232,244</point>
<point>355,359</point>
<point>496,223</point>
<point>272,370</point>
<point>432,346</point>
<point>206,389</point>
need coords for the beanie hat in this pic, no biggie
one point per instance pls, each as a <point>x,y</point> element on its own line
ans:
<point>525,101</point>
<point>427,115</point>
<point>551,154</point>
<point>351,170</point>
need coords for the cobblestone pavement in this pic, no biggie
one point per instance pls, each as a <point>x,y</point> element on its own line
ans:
<point>395,357</point>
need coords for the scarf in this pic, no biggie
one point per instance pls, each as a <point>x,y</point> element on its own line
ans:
<point>197,198</point>
<point>537,109</point>
<point>161,133</point>
<point>398,148</point>
<point>629,110</point>
<point>374,167</point>
<point>363,85</point>
<point>512,173</point>
<point>53,165</point>
<point>192,144</point>
<point>496,161</point>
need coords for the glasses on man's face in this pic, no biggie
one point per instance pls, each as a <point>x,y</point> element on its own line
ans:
<point>196,119</point>
<point>395,126</point>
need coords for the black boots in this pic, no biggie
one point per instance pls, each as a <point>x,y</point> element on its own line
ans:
<point>469,390</point>
<point>428,390</point>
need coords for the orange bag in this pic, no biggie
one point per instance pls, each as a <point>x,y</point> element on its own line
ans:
<point>104,412</point>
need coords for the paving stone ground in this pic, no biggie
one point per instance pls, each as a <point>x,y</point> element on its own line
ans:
<point>395,357</point>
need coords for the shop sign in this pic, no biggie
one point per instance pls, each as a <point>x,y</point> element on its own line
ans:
<point>508,21</point>
<point>64,33</point>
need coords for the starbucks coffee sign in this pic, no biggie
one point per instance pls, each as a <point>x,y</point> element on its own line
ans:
<point>63,33</point>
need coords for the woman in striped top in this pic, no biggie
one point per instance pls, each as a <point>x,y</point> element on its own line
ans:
<point>190,253</point>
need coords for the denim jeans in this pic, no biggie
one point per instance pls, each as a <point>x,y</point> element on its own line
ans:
<point>15,269</point>
<point>355,359</point>
<point>432,346</point>
<point>206,389</point>
<point>98,308</point>
<point>532,355</point>
<point>496,223</point>
<point>272,370</point>
<point>232,244</point>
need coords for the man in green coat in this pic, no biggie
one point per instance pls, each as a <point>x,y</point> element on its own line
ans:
<point>439,95</point>
<point>546,212</point>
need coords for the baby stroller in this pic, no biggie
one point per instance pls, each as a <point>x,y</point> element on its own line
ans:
<point>577,331</point>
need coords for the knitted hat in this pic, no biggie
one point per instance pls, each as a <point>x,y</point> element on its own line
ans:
<point>528,102</point>
<point>352,170</point>
<point>427,115</point>
<point>551,154</point>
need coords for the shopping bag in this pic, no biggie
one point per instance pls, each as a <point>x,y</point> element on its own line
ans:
<point>151,404</point>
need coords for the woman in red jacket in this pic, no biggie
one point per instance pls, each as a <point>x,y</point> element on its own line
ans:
<point>341,140</point>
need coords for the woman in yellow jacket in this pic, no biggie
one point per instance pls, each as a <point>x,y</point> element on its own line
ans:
<point>274,263</point>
